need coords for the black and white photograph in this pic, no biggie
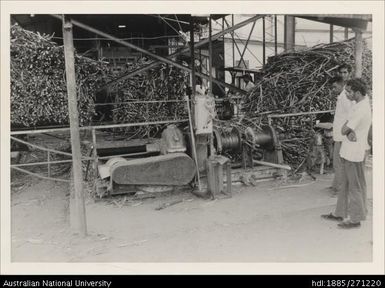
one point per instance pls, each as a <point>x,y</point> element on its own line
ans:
<point>217,135</point>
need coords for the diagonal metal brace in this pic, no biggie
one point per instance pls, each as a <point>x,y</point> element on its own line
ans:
<point>157,57</point>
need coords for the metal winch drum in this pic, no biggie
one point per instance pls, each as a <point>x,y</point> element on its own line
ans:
<point>230,139</point>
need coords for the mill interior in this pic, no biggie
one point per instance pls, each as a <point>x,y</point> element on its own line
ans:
<point>189,127</point>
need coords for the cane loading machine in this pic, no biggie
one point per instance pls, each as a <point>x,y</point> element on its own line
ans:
<point>170,161</point>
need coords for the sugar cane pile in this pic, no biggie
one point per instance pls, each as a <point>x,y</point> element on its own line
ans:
<point>163,83</point>
<point>298,82</point>
<point>38,87</point>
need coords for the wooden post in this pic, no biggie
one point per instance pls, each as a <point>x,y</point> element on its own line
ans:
<point>77,206</point>
<point>358,53</point>
<point>346,33</point>
<point>331,34</point>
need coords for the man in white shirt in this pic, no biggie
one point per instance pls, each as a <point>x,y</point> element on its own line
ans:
<point>249,85</point>
<point>351,203</point>
<point>343,107</point>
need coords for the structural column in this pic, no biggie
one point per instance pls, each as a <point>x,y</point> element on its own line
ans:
<point>275,35</point>
<point>192,55</point>
<point>77,206</point>
<point>210,58</point>
<point>289,34</point>
<point>263,41</point>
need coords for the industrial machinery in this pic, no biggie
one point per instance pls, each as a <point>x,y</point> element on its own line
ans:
<point>166,162</point>
<point>253,144</point>
<point>175,158</point>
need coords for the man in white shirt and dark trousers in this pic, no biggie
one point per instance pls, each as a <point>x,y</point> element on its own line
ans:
<point>351,204</point>
<point>343,107</point>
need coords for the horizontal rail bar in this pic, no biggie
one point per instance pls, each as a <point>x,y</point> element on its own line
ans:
<point>140,102</point>
<point>299,114</point>
<point>274,165</point>
<point>48,162</point>
<point>40,176</point>
<point>133,124</point>
<point>40,147</point>
<point>130,154</point>
<point>97,127</point>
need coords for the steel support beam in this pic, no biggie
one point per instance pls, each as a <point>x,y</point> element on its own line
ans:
<point>185,50</point>
<point>263,41</point>
<point>232,36</point>
<point>246,44</point>
<point>289,33</point>
<point>192,40</point>
<point>275,35</point>
<point>210,58</point>
<point>243,44</point>
<point>236,45</point>
<point>331,34</point>
<point>157,57</point>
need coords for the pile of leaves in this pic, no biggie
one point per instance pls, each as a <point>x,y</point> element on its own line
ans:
<point>299,82</point>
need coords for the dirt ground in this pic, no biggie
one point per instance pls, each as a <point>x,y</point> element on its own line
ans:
<point>266,223</point>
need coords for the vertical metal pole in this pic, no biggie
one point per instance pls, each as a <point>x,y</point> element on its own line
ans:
<point>193,145</point>
<point>78,216</point>
<point>275,35</point>
<point>289,33</point>
<point>193,83</point>
<point>359,47</point>
<point>212,150</point>
<point>94,154</point>
<point>346,33</point>
<point>143,43</point>
<point>232,37</point>
<point>224,53</point>
<point>98,48</point>
<point>49,165</point>
<point>264,42</point>
<point>210,58</point>
<point>192,55</point>
<point>331,39</point>
<point>223,28</point>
